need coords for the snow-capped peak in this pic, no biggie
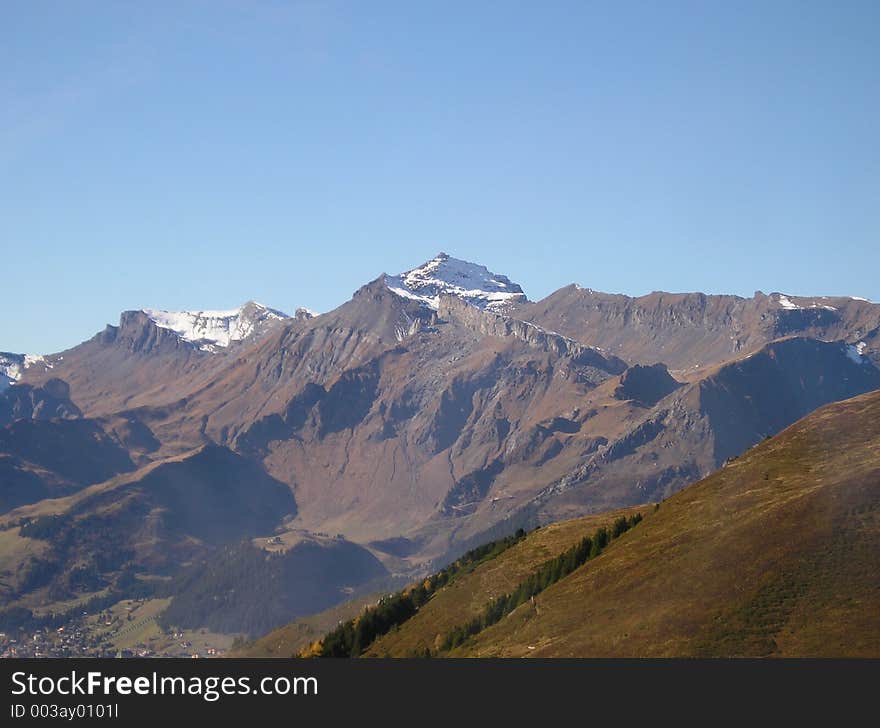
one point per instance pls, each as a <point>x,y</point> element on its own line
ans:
<point>444,274</point>
<point>12,366</point>
<point>211,329</point>
<point>304,313</point>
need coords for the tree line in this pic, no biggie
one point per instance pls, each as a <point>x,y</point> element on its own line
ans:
<point>353,637</point>
<point>548,573</point>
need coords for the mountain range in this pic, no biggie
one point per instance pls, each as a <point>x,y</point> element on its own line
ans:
<point>435,410</point>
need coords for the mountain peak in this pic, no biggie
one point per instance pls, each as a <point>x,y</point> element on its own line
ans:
<point>304,314</point>
<point>13,365</point>
<point>211,329</point>
<point>471,282</point>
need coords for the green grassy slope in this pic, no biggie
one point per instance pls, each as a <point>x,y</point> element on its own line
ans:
<point>466,597</point>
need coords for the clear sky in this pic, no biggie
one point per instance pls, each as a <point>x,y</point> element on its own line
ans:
<point>197,154</point>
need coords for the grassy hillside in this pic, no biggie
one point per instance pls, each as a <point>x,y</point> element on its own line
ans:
<point>777,554</point>
<point>466,598</point>
<point>291,638</point>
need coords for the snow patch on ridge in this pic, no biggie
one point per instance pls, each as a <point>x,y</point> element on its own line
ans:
<point>473,283</point>
<point>789,305</point>
<point>786,303</point>
<point>213,329</point>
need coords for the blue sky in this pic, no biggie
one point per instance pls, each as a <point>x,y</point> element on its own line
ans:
<point>196,154</point>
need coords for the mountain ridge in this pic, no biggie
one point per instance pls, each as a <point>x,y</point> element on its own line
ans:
<point>414,425</point>
<point>212,329</point>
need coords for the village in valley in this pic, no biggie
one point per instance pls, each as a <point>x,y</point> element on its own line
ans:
<point>127,629</point>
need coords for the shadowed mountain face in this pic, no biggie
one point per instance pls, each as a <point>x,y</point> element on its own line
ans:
<point>78,450</point>
<point>22,483</point>
<point>49,401</point>
<point>242,589</point>
<point>777,385</point>
<point>433,408</point>
<point>646,385</point>
<point>214,496</point>
<point>148,521</point>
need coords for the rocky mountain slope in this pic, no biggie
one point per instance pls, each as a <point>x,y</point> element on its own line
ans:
<point>692,330</point>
